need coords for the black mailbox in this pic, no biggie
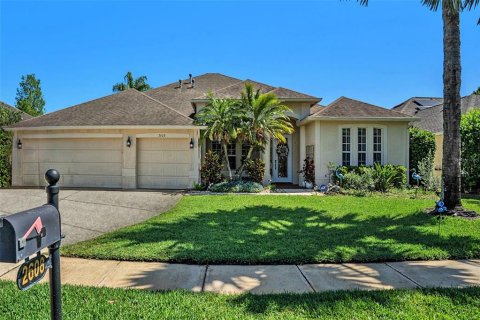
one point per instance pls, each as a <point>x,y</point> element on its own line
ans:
<point>25,233</point>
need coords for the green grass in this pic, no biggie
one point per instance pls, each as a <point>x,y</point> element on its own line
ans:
<point>290,229</point>
<point>104,303</point>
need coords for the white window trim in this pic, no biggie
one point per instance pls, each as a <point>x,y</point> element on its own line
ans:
<point>354,143</point>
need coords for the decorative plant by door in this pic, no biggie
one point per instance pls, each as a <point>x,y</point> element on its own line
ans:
<point>282,155</point>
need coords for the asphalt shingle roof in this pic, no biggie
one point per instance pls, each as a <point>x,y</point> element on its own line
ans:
<point>431,119</point>
<point>415,104</point>
<point>235,92</point>
<point>129,107</point>
<point>345,107</point>
<point>167,105</point>
<point>181,98</point>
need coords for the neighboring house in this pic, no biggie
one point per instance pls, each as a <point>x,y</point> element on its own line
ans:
<point>430,113</point>
<point>147,139</point>
<point>4,105</point>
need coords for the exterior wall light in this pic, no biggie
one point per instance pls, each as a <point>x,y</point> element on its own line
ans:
<point>19,144</point>
<point>129,142</point>
<point>191,143</point>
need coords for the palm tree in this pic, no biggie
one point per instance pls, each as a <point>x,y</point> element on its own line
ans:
<point>129,82</point>
<point>477,91</point>
<point>221,116</point>
<point>264,118</point>
<point>451,93</point>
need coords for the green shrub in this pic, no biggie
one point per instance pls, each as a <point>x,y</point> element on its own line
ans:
<point>470,133</point>
<point>425,170</point>
<point>361,182</point>
<point>237,186</point>
<point>422,143</point>
<point>398,181</point>
<point>255,169</point>
<point>308,170</point>
<point>7,117</point>
<point>384,177</point>
<point>211,170</point>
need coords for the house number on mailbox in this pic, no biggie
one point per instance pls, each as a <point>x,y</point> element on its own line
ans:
<point>32,271</point>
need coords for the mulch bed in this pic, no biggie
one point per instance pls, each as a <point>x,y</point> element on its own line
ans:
<point>457,212</point>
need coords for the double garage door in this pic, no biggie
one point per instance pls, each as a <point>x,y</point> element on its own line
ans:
<point>98,162</point>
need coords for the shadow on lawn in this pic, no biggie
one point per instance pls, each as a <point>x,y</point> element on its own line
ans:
<point>277,235</point>
<point>341,303</point>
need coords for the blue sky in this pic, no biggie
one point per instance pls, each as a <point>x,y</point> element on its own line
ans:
<point>382,54</point>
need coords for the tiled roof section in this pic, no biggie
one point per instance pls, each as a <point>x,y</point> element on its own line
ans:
<point>415,104</point>
<point>181,98</point>
<point>349,108</point>
<point>431,119</point>
<point>4,105</point>
<point>129,107</point>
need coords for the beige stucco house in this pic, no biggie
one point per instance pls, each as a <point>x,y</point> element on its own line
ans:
<point>148,140</point>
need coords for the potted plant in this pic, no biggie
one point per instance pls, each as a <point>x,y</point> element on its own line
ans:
<point>308,172</point>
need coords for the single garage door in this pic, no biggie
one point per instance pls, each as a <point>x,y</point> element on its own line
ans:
<point>82,162</point>
<point>164,163</point>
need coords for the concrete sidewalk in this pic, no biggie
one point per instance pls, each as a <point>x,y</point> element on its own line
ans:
<point>233,279</point>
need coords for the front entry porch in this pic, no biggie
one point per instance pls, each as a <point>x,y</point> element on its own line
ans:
<point>281,160</point>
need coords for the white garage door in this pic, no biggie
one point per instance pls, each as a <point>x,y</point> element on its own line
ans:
<point>82,162</point>
<point>164,163</point>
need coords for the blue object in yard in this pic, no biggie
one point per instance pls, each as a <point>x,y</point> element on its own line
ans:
<point>323,188</point>
<point>339,174</point>
<point>416,176</point>
<point>440,207</point>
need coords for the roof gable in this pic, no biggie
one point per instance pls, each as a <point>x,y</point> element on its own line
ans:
<point>129,107</point>
<point>415,104</point>
<point>345,107</point>
<point>431,119</point>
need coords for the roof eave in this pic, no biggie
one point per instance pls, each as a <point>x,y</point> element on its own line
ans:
<point>105,127</point>
<point>357,119</point>
<point>313,100</point>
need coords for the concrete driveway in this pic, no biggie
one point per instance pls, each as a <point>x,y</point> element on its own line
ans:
<point>87,214</point>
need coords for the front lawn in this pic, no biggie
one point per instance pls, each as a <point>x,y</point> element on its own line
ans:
<point>290,229</point>
<point>104,303</point>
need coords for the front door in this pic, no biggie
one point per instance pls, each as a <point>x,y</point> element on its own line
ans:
<point>282,160</point>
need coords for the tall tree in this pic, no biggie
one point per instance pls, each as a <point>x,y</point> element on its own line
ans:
<point>7,117</point>
<point>451,93</point>
<point>222,117</point>
<point>265,118</point>
<point>477,91</point>
<point>129,82</point>
<point>29,98</point>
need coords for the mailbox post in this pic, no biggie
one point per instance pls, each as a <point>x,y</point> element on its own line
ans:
<point>25,234</point>
<point>52,176</point>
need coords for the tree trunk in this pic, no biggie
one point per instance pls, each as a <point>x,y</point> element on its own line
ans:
<point>451,106</point>
<point>242,167</point>
<point>225,154</point>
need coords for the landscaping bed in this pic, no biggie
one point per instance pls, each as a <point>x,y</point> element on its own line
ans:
<point>105,303</point>
<point>244,229</point>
